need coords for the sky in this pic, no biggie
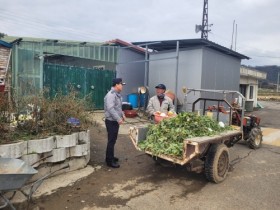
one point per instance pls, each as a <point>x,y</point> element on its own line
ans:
<point>256,23</point>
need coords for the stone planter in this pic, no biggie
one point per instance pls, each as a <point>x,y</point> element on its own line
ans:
<point>72,150</point>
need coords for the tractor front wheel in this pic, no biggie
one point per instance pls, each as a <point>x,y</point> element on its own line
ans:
<point>255,138</point>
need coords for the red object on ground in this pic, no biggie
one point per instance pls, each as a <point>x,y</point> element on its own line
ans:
<point>130,113</point>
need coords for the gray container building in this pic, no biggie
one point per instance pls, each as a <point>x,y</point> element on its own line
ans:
<point>193,63</point>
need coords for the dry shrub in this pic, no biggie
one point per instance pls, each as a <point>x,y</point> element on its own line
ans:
<point>5,110</point>
<point>39,116</point>
<point>4,107</point>
<point>57,111</point>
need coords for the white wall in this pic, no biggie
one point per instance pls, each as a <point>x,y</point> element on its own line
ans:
<point>250,81</point>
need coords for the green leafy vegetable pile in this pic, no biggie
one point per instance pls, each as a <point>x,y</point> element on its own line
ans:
<point>167,137</point>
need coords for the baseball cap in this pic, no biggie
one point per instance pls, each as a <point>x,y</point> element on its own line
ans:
<point>117,81</point>
<point>161,86</point>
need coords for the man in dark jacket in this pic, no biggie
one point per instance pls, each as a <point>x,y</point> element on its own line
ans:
<point>114,117</point>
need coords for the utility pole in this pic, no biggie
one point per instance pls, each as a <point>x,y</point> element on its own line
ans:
<point>235,35</point>
<point>232,35</point>
<point>204,27</point>
<point>278,83</point>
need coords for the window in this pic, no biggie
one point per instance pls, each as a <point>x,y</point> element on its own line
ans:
<point>251,92</point>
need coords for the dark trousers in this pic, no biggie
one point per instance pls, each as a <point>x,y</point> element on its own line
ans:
<point>112,130</point>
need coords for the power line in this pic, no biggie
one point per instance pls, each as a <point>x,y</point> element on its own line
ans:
<point>265,56</point>
<point>29,21</point>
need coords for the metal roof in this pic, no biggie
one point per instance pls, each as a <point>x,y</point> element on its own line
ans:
<point>124,44</point>
<point>5,44</point>
<point>87,50</point>
<point>187,43</point>
<point>11,39</point>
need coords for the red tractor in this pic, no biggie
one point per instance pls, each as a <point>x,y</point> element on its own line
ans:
<point>229,113</point>
<point>251,128</point>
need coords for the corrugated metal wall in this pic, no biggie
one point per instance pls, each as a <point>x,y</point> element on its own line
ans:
<point>132,73</point>
<point>28,60</point>
<point>80,62</point>
<point>199,68</point>
<point>89,50</point>
<point>164,71</point>
<point>220,71</point>
<point>88,82</point>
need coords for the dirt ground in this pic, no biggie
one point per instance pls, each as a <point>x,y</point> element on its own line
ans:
<point>87,192</point>
<point>138,171</point>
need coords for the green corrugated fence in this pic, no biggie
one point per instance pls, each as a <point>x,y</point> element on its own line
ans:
<point>88,82</point>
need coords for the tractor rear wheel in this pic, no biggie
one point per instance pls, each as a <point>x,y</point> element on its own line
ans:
<point>217,163</point>
<point>255,138</point>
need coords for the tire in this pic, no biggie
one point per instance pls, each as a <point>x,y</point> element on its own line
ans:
<point>217,163</point>
<point>255,138</point>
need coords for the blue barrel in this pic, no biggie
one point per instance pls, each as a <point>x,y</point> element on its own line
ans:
<point>133,99</point>
<point>143,98</point>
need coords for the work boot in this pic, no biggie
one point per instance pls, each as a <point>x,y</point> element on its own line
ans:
<point>113,164</point>
<point>115,159</point>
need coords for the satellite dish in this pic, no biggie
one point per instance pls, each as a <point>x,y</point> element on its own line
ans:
<point>197,28</point>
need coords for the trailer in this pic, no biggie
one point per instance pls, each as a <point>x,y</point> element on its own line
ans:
<point>212,151</point>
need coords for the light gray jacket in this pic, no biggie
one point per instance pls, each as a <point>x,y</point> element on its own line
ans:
<point>154,105</point>
<point>113,106</point>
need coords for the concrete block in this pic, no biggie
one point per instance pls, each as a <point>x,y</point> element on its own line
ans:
<point>40,145</point>
<point>84,137</point>
<point>67,140</point>
<point>43,170</point>
<point>77,163</point>
<point>68,155</point>
<point>59,168</point>
<point>25,148</point>
<point>58,155</point>
<point>15,150</point>
<point>31,158</point>
<point>79,150</point>
<point>87,156</point>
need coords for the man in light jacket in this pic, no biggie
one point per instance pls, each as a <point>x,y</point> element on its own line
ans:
<point>160,102</point>
<point>114,117</point>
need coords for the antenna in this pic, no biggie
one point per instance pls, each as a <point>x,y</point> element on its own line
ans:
<point>204,27</point>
